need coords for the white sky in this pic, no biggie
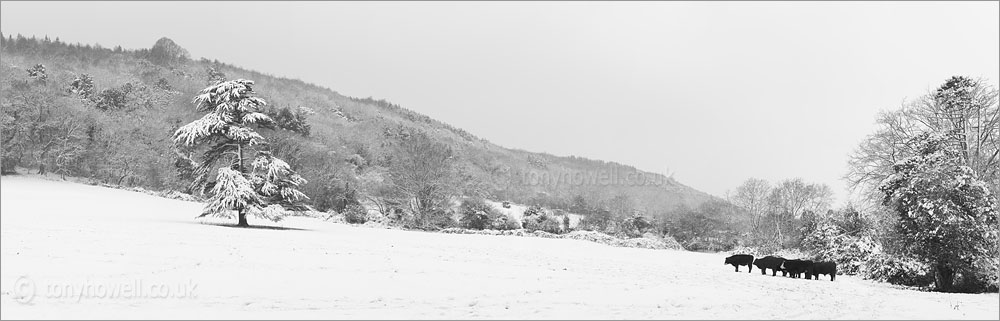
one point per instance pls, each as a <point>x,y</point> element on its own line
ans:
<point>715,92</point>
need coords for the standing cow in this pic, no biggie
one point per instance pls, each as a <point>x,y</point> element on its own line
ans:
<point>828,268</point>
<point>796,268</point>
<point>740,259</point>
<point>769,262</point>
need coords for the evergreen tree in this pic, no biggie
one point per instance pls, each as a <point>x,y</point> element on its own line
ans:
<point>38,73</point>
<point>82,85</point>
<point>215,76</point>
<point>276,182</point>
<point>226,130</point>
<point>946,215</point>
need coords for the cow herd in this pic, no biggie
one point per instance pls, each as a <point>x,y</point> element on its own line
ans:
<point>790,268</point>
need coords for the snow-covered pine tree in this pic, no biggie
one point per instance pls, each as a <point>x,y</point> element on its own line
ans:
<point>277,183</point>
<point>226,131</point>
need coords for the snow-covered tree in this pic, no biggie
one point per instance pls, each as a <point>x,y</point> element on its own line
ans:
<point>276,182</point>
<point>166,51</point>
<point>261,188</point>
<point>37,73</point>
<point>966,109</point>
<point>947,216</point>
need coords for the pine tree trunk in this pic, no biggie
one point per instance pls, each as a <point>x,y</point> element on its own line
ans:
<point>239,149</point>
<point>243,219</point>
<point>242,213</point>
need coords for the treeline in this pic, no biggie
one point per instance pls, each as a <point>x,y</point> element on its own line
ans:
<point>417,117</point>
<point>108,114</point>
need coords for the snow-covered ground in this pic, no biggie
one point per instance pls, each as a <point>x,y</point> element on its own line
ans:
<point>61,237</point>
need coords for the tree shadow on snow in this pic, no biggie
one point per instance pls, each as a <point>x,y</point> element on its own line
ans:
<point>254,227</point>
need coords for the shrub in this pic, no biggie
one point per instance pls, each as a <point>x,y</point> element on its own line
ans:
<point>989,273</point>
<point>534,210</point>
<point>551,225</point>
<point>896,270</point>
<point>431,221</point>
<point>83,85</point>
<point>763,244</point>
<point>794,254</point>
<point>38,72</point>
<point>537,219</point>
<point>441,220</point>
<point>746,250</point>
<point>829,242</point>
<point>667,240</point>
<point>505,223</point>
<point>355,214</point>
<point>597,221</point>
<point>476,214</point>
<point>849,253</point>
<point>634,226</point>
<point>542,223</point>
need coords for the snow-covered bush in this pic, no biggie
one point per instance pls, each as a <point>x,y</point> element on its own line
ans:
<point>793,254</point>
<point>476,214</point>
<point>538,219</point>
<point>896,270</point>
<point>635,225</point>
<point>849,252</point>
<point>649,241</point>
<point>989,273</point>
<point>355,214</point>
<point>592,236</point>
<point>747,250</point>
<point>829,242</point>
<point>172,194</point>
<point>334,217</point>
<point>542,223</point>
<point>505,223</point>
<point>433,220</point>
<point>667,240</point>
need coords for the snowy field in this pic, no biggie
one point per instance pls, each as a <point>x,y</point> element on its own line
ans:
<point>77,251</point>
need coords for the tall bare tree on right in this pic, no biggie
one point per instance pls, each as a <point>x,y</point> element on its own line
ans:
<point>964,108</point>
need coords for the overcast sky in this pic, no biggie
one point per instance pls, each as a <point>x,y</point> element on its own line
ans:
<point>714,92</point>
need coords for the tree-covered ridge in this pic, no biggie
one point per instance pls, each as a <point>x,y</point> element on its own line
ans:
<point>109,113</point>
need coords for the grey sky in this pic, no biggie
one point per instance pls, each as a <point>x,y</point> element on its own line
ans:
<point>715,92</point>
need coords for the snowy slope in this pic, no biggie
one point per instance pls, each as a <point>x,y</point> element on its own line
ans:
<point>55,234</point>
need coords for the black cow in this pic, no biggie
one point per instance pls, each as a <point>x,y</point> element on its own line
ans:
<point>769,262</point>
<point>740,259</point>
<point>828,268</point>
<point>796,268</point>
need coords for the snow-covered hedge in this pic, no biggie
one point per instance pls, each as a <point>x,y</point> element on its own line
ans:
<point>784,253</point>
<point>896,270</point>
<point>171,194</point>
<point>648,241</point>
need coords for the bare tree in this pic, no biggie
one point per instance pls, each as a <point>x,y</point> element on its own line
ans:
<point>423,171</point>
<point>752,196</point>
<point>790,199</point>
<point>964,108</point>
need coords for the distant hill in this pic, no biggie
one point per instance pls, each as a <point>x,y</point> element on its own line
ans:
<point>149,92</point>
